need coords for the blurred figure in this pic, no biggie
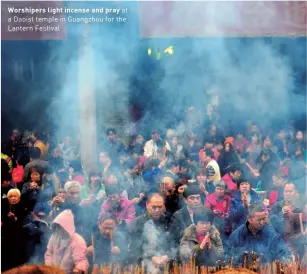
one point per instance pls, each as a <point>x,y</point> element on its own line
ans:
<point>150,236</point>
<point>257,236</point>
<point>153,147</point>
<point>40,141</point>
<point>231,178</point>
<point>108,245</point>
<point>66,248</point>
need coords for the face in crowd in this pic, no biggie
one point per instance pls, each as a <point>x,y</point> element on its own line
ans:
<point>35,177</point>
<point>107,228</point>
<point>257,221</point>
<point>235,175</point>
<point>245,187</point>
<point>13,198</point>
<point>167,187</point>
<point>104,158</point>
<point>111,136</point>
<point>203,227</point>
<point>155,207</point>
<point>219,191</point>
<point>290,193</point>
<point>114,199</point>
<point>193,201</point>
<point>73,195</point>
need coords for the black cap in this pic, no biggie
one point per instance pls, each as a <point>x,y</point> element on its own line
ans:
<point>191,190</point>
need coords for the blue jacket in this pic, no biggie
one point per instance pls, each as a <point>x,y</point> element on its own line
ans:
<point>238,213</point>
<point>267,244</point>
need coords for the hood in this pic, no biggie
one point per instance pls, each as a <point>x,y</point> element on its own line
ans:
<point>66,220</point>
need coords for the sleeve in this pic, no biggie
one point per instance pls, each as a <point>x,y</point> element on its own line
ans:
<point>130,214</point>
<point>25,188</point>
<point>217,246</point>
<point>236,210</point>
<point>135,248</point>
<point>210,173</point>
<point>147,150</point>
<point>79,253</point>
<point>49,252</point>
<point>188,249</point>
<point>207,204</point>
<point>26,173</point>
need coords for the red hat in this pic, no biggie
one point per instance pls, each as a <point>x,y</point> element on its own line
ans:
<point>229,140</point>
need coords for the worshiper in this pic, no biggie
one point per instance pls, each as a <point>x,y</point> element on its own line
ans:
<point>37,233</point>
<point>212,170</point>
<point>66,248</point>
<point>231,178</point>
<point>286,216</point>
<point>75,172</point>
<point>151,236</point>
<point>57,203</point>
<point>192,147</point>
<point>153,147</point>
<point>113,145</point>
<point>108,166</point>
<point>255,235</point>
<point>201,241</point>
<point>108,244</point>
<point>137,188</point>
<point>219,205</point>
<point>84,222</point>
<point>13,213</point>
<point>40,141</point>
<point>93,190</point>
<point>5,183</point>
<point>240,143</point>
<point>279,179</point>
<point>171,198</point>
<point>172,170</point>
<point>240,203</point>
<point>177,152</point>
<point>184,217</point>
<point>117,206</point>
<point>228,156</point>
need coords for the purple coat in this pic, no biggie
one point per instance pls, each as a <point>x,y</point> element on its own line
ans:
<point>125,213</point>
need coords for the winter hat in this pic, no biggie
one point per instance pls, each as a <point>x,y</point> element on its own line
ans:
<point>229,140</point>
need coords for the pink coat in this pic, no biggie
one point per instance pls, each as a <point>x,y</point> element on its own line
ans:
<point>125,213</point>
<point>67,253</point>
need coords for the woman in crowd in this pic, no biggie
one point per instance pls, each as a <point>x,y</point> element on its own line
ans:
<point>201,241</point>
<point>12,240</point>
<point>66,249</point>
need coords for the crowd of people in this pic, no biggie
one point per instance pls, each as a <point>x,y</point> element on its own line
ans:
<point>189,192</point>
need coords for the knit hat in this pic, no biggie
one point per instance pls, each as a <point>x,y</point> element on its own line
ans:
<point>229,140</point>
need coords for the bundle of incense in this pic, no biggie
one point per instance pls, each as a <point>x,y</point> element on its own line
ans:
<point>95,269</point>
<point>245,261</point>
<point>166,269</point>
<point>278,267</point>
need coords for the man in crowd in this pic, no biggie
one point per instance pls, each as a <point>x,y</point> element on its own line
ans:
<point>255,235</point>
<point>153,147</point>
<point>150,236</point>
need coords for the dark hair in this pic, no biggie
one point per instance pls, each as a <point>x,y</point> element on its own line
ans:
<point>191,190</point>
<point>76,165</point>
<point>172,164</point>
<point>35,153</point>
<point>107,217</point>
<point>112,189</point>
<point>209,140</point>
<point>202,215</point>
<point>111,130</point>
<point>209,153</point>
<point>234,167</point>
<point>254,208</point>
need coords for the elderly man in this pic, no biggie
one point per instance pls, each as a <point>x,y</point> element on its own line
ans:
<point>150,236</point>
<point>259,237</point>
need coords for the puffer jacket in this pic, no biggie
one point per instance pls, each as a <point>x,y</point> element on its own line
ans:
<point>190,247</point>
<point>70,253</point>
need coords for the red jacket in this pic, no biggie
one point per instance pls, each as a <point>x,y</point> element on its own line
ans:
<point>231,185</point>
<point>223,205</point>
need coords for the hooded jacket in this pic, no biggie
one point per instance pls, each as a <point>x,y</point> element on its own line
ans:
<point>190,247</point>
<point>69,253</point>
